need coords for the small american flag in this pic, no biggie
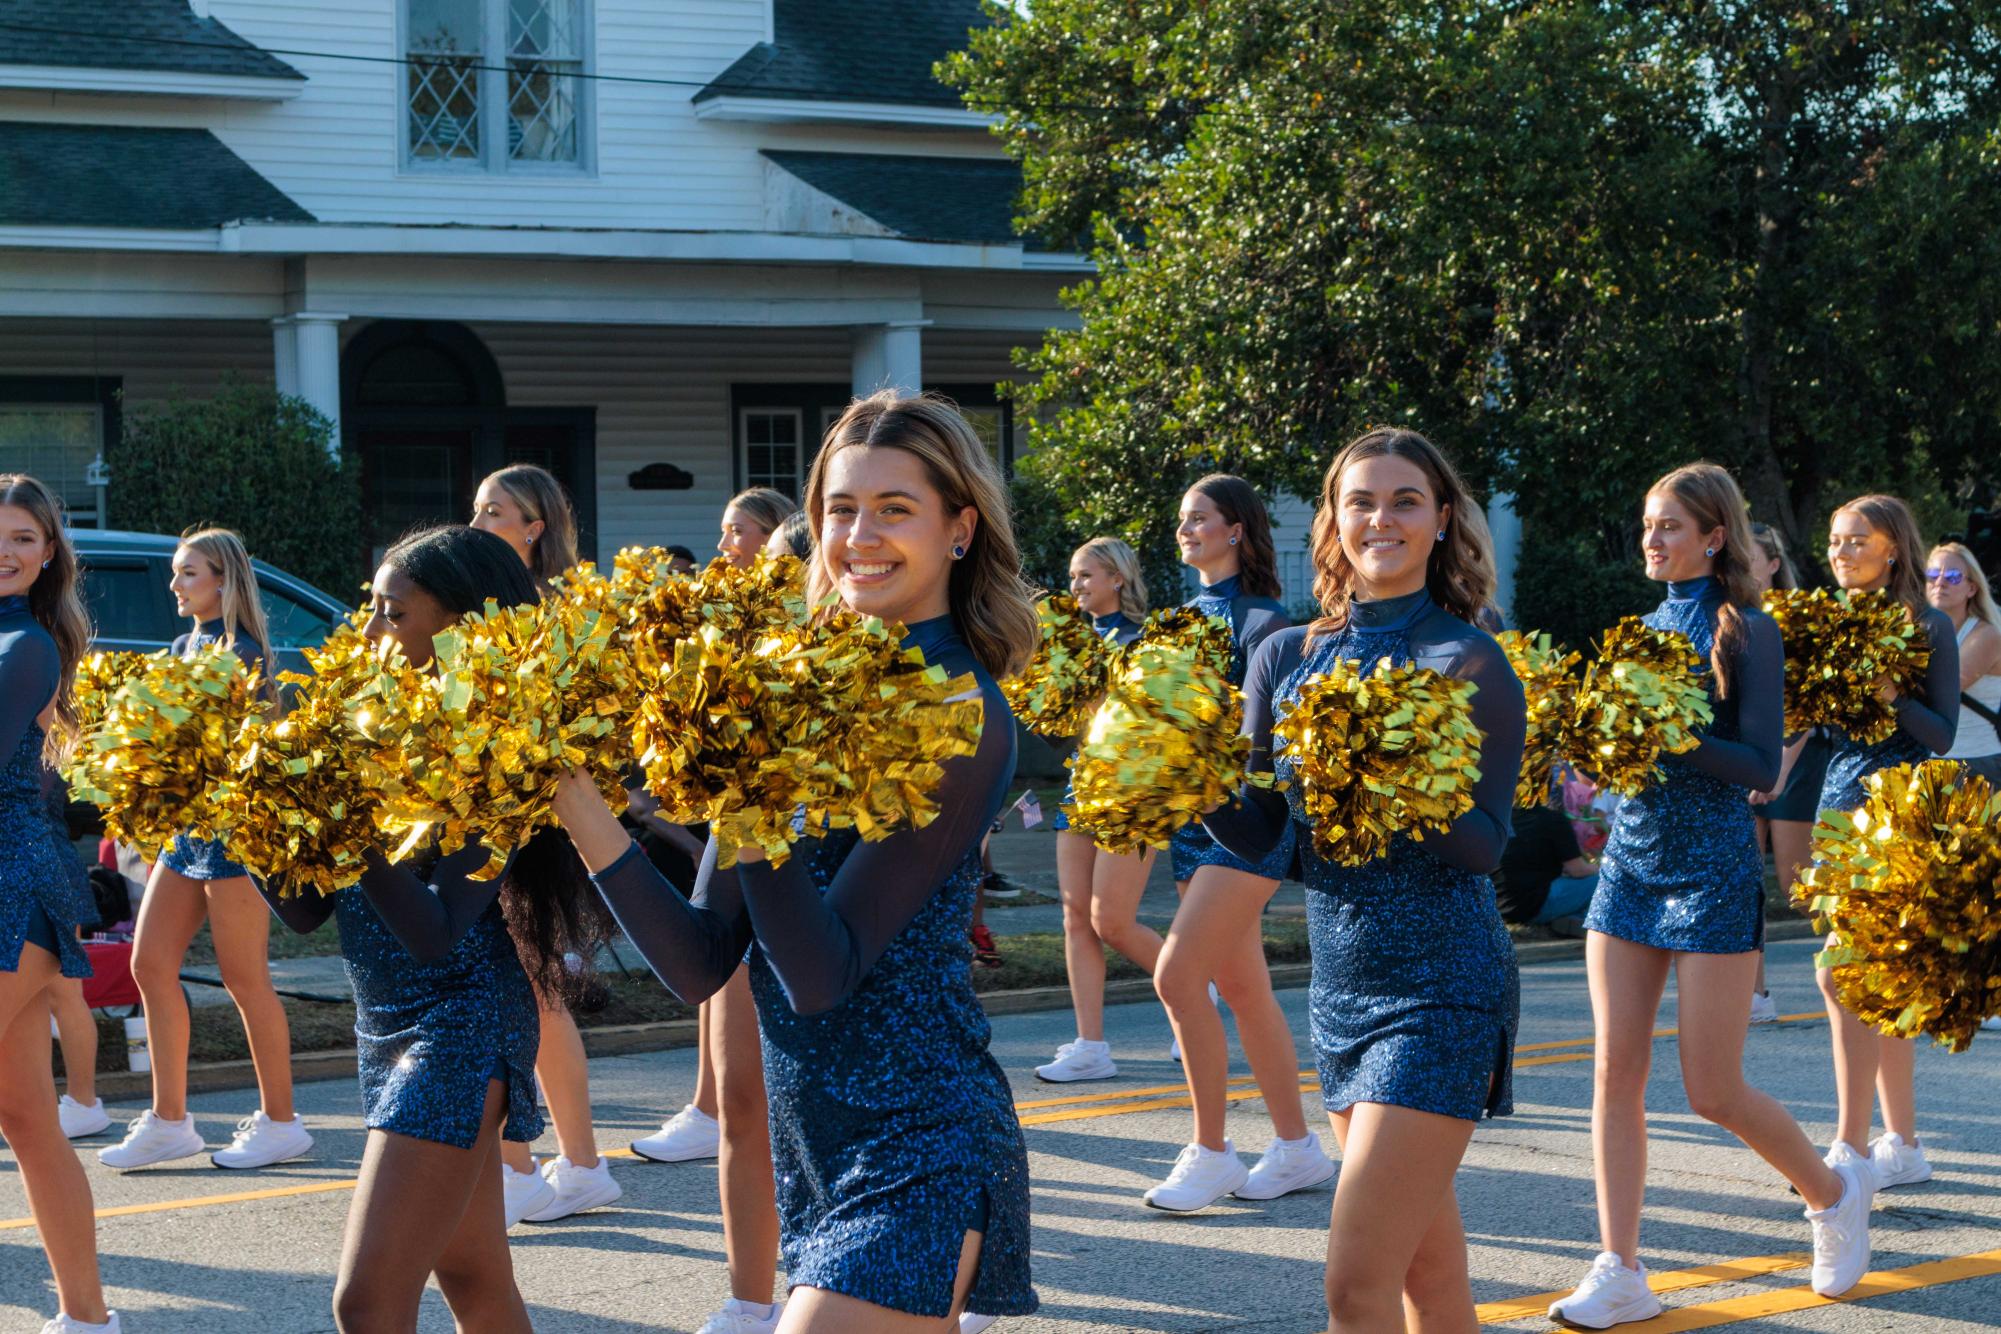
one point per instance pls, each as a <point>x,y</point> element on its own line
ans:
<point>1030,807</point>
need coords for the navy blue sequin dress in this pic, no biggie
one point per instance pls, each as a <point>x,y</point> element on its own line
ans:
<point>207,858</point>
<point>1121,629</point>
<point>44,895</point>
<point>1415,997</point>
<point>1681,868</point>
<point>1926,721</point>
<point>893,1131</point>
<point>1252,621</point>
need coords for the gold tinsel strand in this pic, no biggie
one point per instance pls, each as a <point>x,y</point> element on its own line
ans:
<point>1549,684</point>
<point>1164,746</point>
<point>1392,752</point>
<point>1910,886</point>
<point>1639,701</point>
<point>97,679</point>
<point>1840,646</point>
<point>1059,690</point>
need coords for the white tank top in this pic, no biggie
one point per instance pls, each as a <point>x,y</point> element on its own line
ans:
<point>1976,737</point>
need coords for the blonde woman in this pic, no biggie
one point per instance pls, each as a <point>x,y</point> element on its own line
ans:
<point>195,881</point>
<point>1956,585</point>
<point>526,507</point>
<point>749,520</point>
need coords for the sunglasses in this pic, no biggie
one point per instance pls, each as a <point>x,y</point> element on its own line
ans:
<point>1950,578</point>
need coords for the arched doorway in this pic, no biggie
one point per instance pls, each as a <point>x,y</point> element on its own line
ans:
<point>424,407</point>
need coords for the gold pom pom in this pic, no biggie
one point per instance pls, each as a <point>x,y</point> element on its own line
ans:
<point>1392,752</point>
<point>1639,701</point>
<point>1908,885</point>
<point>1549,685</point>
<point>1164,746</point>
<point>97,679</point>
<point>1841,646</point>
<point>162,745</point>
<point>1061,687</point>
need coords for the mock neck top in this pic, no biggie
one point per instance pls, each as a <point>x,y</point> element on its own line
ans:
<point>1384,615</point>
<point>1694,590</point>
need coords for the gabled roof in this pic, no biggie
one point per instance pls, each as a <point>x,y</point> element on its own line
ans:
<point>128,35</point>
<point>968,200</point>
<point>853,51</point>
<point>129,176</point>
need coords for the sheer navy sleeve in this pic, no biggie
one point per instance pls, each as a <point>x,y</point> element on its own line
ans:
<point>821,947</point>
<point>1450,646</point>
<point>303,913</point>
<point>428,918</point>
<point>692,944</point>
<point>1252,822</point>
<point>1259,623</point>
<point>1758,695</point>
<point>1932,720</point>
<point>30,670</point>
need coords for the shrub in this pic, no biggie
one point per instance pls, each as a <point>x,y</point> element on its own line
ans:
<point>1574,584</point>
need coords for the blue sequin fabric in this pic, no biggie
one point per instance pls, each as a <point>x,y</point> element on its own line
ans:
<point>1681,869</point>
<point>893,1130</point>
<point>205,858</point>
<point>1850,761</point>
<point>430,1035</point>
<point>1121,630</point>
<point>42,884</point>
<point>1415,998</point>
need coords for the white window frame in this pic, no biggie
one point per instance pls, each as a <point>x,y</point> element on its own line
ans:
<point>743,445</point>
<point>96,475</point>
<point>494,159</point>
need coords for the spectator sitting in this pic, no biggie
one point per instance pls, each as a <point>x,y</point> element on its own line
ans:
<point>1544,875</point>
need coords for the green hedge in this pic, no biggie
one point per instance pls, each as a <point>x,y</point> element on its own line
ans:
<point>1573,585</point>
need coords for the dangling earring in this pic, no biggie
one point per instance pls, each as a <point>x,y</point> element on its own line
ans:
<point>958,552</point>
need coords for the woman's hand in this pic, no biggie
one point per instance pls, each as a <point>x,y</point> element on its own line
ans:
<point>580,808</point>
<point>1886,690</point>
<point>749,855</point>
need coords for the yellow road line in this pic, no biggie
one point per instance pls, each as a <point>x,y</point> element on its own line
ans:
<point>1307,1085</point>
<point>1537,1304</point>
<point>1783,1301</point>
<point>201,1201</point>
<point>1155,1091</point>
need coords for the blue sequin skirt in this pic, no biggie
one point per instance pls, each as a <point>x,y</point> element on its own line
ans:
<point>200,859</point>
<point>1415,997</point>
<point>1849,762</point>
<point>44,894</point>
<point>1193,847</point>
<point>1682,870</point>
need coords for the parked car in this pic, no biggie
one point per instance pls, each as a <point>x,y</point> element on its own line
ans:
<point>125,578</point>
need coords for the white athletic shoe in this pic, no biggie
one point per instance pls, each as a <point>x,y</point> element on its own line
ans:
<point>1079,1060</point>
<point>974,1324</point>
<point>1286,1167</point>
<point>1199,1179</point>
<point>1174,1049</point>
<point>1897,1163</point>
<point>688,1134</point>
<point>577,1189</point>
<point>150,1139</point>
<point>1764,1010</point>
<point>62,1324</point>
<point>523,1193</point>
<point>1843,1152</point>
<point>1841,1233</point>
<point>1992,1025</point>
<point>81,1120</point>
<point>1610,1294</point>
<point>260,1142</point>
<point>737,1317</point>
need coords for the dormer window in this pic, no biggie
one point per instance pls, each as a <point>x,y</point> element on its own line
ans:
<point>495,85</point>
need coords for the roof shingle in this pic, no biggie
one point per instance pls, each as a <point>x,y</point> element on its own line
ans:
<point>853,51</point>
<point>968,200</point>
<point>129,35</point>
<point>129,176</point>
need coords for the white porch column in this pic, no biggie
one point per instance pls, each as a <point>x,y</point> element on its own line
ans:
<point>307,359</point>
<point>1507,530</point>
<point>285,355</point>
<point>889,356</point>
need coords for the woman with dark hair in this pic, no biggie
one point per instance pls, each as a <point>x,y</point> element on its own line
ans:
<point>1414,996</point>
<point>44,896</point>
<point>445,1013</point>
<point>1216,943</point>
<point>1681,886</point>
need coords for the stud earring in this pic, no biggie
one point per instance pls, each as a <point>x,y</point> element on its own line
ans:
<point>1233,541</point>
<point>1893,560</point>
<point>45,564</point>
<point>1441,534</point>
<point>1709,551</point>
<point>958,552</point>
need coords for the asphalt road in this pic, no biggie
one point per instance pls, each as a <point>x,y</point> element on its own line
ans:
<point>191,1248</point>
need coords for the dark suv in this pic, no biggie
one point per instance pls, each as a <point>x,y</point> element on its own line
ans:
<point>125,578</point>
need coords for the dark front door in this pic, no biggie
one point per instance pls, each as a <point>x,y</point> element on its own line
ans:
<point>412,477</point>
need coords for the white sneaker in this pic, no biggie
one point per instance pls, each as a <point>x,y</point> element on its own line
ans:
<point>1841,1151</point>
<point>150,1139</point>
<point>737,1317</point>
<point>974,1324</point>
<point>1610,1294</point>
<point>1174,1049</point>
<point>1841,1233</point>
<point>688,1134</point>
<point>1764,1010</point>
<point>577,1189</point>
<point>260,1142</point>
<point>1286,1167</point>
<point>1199,1179</point>
<point>1079,1060</point>
<point>1897,1163</point>
<point>1992,1025</point>
<point>522,1193</point>
<point>81,1119</point>
<point>62,1324</point>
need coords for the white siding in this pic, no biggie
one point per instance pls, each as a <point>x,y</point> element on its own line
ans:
<point>153,357</point>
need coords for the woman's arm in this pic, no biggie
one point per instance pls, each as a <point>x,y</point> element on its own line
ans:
<point>30,671</point>
<point>429,918</point>
<point>1787,760</point>
<point>1932,721</point>
<point>1980,655</point>
<point>304,913</point>
<point>1252,822</point>
<point>1758,682</point>
<point>1476,839</point>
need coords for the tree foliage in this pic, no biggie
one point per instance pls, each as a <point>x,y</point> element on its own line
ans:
<point>1575,243</point>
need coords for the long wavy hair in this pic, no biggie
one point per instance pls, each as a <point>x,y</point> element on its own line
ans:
<point>1237,501</point>
<point>1891,517</point>
<point>1774,546</point>
<point>1123,562</point>
<point>1460,576</point>
<point>1711,496</point>
<point>991,603</point>
<point>222,550</point>
<point>55,600</point>
<point>1981,605</point>
<point>540,496</point>
<point>551,907</point>
<point>768,507</point>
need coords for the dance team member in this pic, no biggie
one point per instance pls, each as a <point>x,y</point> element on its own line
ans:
<point>215,587</point>
<point>1100,890</point>
<point>1873,543</point>
<point>1414,995</point>
<point>1216,942</point>
<point>1679,888</point>
<point>904,1177</point>
<point>526,507</point>
<point>1957,586</point>
<point>44,896</point>
<point>445,1012</point>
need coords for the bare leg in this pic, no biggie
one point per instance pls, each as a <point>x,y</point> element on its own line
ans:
<point>817,1311</point>
<point>58,1192</point>
<point>1396,1254</point>
<point>1117,885</point>
<point>1083,952</point>
<point>240,924</point>
<point>476,1271</point>
<point>750,1203</point>
<point>78,1032</point>
<point>1855,1057</point>
<point>1627,981</point>
<point>1792,844</point>
<point>565,1072</point>
<point>1233,922</point>
<point>1207,934</point>
<point>706,1097</point>
<point>169,915</point>
<point>1896,1085</point>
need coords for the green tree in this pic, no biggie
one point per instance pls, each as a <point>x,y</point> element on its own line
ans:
<point>251,459</point>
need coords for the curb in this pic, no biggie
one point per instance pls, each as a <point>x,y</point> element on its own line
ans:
<point>671,1034</point>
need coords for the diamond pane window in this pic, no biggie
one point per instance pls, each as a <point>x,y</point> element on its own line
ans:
<point>492,82</point>
<point>444,110</point>
<point>544,58</point>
